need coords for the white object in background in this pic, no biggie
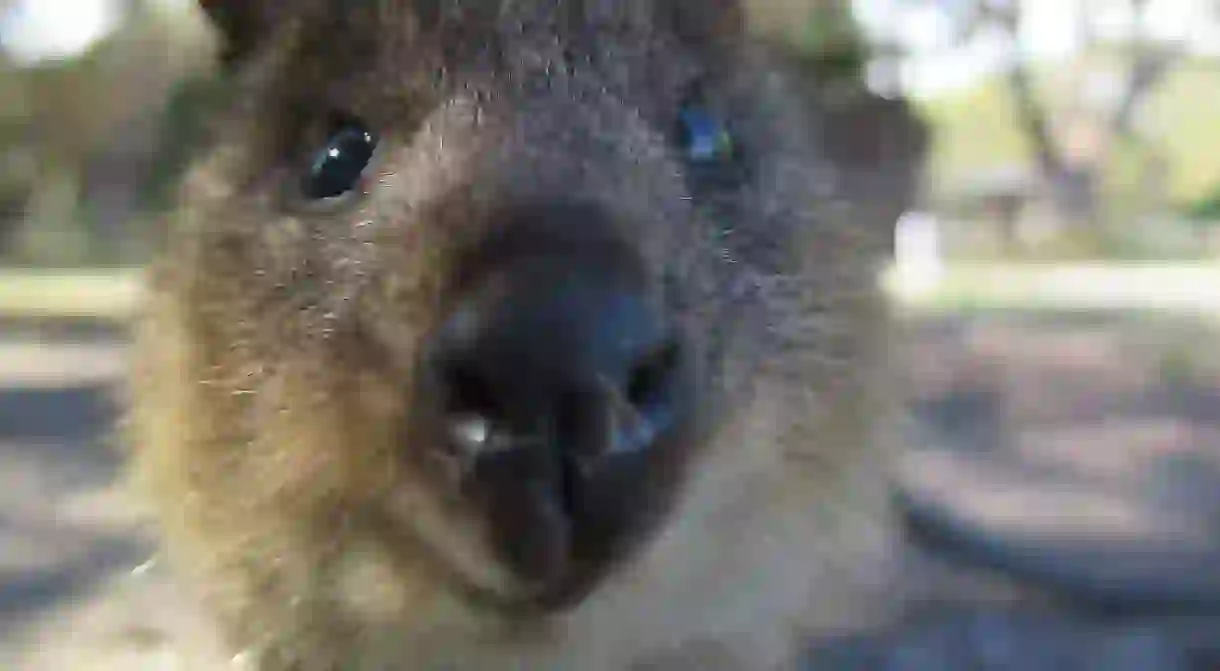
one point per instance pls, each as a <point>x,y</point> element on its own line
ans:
<point>32,31</point>
<point>917,252</point>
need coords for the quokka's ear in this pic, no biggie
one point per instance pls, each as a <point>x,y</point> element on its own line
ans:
<point>242,24</point>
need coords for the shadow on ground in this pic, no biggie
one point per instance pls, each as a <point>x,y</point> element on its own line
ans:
<point>57,414</point>
<point>66,535</point>
<point>1080,452</point>
<point>25,594</point>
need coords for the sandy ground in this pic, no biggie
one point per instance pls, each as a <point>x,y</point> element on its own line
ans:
<point>1064,429</point>
<point>79,586</point>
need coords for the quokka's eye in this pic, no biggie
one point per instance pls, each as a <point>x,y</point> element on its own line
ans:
<point>702,136</point>
<point>335,168</point>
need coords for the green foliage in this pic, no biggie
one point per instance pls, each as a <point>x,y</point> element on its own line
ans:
<point>1182,115</point>
<point>183,131</point>
<point>834,43</point>
<point>1206,210</point>
<point>824,32</point>
<point>976,130</point>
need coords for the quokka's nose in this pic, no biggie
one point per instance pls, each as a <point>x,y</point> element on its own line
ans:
<point>556,357</point>
<point>558,377</point>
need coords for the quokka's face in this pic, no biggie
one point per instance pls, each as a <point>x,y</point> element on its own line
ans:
<point>503,252</point>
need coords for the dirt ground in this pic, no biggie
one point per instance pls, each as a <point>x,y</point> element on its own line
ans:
<point>1084,445</point>
<point>1089,438</point>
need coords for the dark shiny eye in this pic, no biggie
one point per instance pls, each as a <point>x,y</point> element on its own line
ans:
<point>703,136</point>
<point>337,166</point>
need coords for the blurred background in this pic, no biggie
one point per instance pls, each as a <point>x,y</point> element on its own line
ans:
<point>1057,269</point>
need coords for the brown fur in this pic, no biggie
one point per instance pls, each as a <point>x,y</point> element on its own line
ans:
<point>275,345</point>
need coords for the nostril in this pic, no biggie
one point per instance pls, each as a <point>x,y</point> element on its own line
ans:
<point>652,375</point>
<point>571,476</point>
<point>468,393</point>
